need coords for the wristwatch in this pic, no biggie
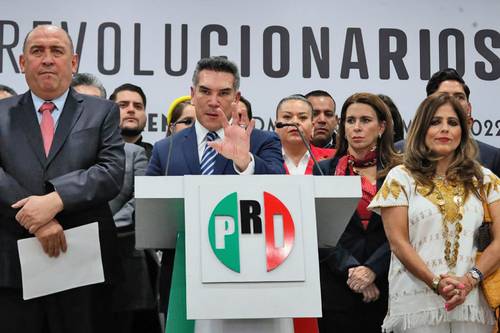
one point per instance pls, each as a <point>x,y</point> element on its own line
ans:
<point>476,274</point>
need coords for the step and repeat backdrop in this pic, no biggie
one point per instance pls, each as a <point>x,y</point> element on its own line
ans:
<point>282,47</point>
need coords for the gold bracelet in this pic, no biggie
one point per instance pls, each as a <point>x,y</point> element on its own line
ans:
<point>435,284</point>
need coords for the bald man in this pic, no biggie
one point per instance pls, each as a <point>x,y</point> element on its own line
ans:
<point>61,161</point>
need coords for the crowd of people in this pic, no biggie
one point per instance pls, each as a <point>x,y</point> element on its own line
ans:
<point>406,261</point>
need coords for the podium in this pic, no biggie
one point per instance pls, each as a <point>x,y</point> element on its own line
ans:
<point>251,243</point>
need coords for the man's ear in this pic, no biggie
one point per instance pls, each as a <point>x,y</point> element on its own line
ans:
<point>22,62</point>
<point>470,120</point>
<point>192,96</point>
<point>74,63</point>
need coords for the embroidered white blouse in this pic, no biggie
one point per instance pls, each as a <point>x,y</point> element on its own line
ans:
<point>411,302</point>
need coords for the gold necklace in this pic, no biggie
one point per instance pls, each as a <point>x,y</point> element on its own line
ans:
<point>449,197</point>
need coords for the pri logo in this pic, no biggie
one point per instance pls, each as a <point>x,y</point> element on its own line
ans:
<point>224,229</point>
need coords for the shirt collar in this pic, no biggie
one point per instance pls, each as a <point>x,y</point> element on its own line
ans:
<point>201,132</point>
<point>58,102</point>
<point>306,155</point>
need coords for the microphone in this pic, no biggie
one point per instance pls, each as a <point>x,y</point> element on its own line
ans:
<point>279,124</point>
<point>170,146</point>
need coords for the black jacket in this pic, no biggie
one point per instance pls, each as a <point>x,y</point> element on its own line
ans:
<point>356,247</point>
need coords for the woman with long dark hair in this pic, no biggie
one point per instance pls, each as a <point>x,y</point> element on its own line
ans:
<point>354,273</point>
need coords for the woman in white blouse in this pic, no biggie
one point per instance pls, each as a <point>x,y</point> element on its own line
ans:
<point>431,209</point>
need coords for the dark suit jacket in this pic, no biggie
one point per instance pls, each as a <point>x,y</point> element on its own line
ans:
<point>184,160</point>
<point>85,166</point>
<point>489,156</point>
<point>356,247</point>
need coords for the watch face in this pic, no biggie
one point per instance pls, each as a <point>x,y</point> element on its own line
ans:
<point>474,275</point>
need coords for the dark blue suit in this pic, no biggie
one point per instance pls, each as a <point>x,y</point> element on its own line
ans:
<point>489,156</point>
<point>264,146</point>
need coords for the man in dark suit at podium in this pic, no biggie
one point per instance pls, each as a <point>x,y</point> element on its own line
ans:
<point>213,145</point>
<point>239,150</point>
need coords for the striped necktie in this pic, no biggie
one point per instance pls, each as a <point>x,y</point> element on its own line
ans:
<point>207,164</point>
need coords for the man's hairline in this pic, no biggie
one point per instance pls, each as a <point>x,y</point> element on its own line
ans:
<point>68,41</point>
<point>453,80</point>
<point>194,86</point>
<point>116,96</point>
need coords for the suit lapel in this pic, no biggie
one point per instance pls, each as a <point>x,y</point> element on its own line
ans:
<point>24,117</point>
<point>72,110</point>
<point>189,147</point>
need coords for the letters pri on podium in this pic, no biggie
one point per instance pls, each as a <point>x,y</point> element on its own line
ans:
<point>278,225</point>
<point>253,235</point>
<point>251,248</point>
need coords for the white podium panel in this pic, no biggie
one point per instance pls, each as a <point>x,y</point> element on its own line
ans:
<point>263,281</point>
<point>289,290</point>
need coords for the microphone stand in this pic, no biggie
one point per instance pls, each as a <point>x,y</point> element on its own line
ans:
<point>306,143</point>
<point>170,145</point>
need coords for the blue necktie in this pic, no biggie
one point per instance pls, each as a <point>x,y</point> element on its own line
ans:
<point>207,164</point>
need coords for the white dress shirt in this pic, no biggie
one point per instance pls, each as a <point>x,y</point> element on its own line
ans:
<point>58,102</point>
<point>299,169</point>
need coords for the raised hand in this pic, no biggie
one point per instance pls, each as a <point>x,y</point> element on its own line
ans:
<point>236,143</point>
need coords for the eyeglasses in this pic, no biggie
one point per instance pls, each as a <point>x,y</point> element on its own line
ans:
<point>186,121</point>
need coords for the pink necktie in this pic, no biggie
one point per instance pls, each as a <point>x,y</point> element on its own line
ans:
<point>47,125</point>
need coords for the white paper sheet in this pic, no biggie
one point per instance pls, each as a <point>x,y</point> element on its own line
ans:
<point>80,265</point>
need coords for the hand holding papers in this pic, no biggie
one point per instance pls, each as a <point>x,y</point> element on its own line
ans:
<point>80,265</point>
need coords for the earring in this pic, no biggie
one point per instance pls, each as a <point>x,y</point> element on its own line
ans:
<point>380,135</point>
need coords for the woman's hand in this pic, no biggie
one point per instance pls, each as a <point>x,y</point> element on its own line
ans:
<point>360,278</point>
<point>454,290</point>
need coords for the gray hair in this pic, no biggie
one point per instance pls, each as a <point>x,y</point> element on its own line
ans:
<point>87,79</point>
<point>217,64</point>
<point>8,90</point>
